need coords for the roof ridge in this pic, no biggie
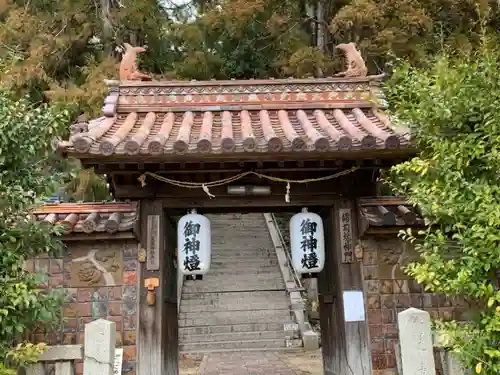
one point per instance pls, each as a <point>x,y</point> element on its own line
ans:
<point>246,82</point>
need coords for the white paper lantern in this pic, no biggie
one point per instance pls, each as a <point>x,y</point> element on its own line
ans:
<point>307,241</point>
<point>194,244</point>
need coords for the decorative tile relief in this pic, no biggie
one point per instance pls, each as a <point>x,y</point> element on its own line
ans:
<point>91,266</point>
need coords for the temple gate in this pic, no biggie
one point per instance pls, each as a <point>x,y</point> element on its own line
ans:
<point>244,146</point>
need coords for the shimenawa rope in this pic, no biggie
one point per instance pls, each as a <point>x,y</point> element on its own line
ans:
<point>206,185</point>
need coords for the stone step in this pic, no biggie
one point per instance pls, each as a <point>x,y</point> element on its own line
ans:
<point>250,251</point>
<point>239,231</point>
<point>231,328</point>
<point>233,336</point>
<point>229,271</point>
<point>200,353</point>
<point>237,234</point>
<point>197,286</point>
<point>210,278</point>
<point>235,258</point>
<point>257,296</point>
<point>243,344</point>
<point>261,240</point>
<point>248,266</point>
<point>234,219</point>
<point>233,306</point>
<point>187,319</point>
<point>222,225</point>
<point>256,264</point>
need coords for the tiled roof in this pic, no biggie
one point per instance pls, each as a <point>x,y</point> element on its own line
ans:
<point>388,212</point>
<point>89,218</point>
<point>241,131</point>
<point>207,118</point>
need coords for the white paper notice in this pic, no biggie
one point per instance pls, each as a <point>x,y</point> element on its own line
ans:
<point>354,306</point>
<point>118,361</point>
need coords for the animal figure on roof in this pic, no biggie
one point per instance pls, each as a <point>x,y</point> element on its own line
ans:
<point>128,65</point>
<point>356,66</point>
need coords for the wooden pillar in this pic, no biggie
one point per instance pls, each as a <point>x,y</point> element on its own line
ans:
<point>345,345</point>
<point>157,326</point>
<point>170,303</point>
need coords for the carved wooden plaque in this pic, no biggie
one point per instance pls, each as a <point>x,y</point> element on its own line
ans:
<point>153,243</point>
<point>345,232</point>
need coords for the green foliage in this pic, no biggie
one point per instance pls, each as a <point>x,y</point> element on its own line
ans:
<point>453,104</point>
<point>27,135</point>
<point>22,356</point>
<point>413,29</point>
<point>87,186</point>
<point>62,50</point>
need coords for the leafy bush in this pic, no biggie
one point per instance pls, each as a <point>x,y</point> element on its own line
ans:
<point>27,135</point>
<point>453,104</point>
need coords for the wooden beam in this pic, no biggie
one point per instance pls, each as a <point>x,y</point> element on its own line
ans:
<point>356,183</point>
<point>383,201</point>
<point>98,236</point>
<point>234,166</point>
<point>80,208</point>
<point>246,204</point>
<point>346,345</point>
<point>386,156</point>
<point>157,326</point>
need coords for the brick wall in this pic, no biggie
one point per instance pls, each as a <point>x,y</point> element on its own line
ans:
<point>99,280</point>
<point>390,291</point>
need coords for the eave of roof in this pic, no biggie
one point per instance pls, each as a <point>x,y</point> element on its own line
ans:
<point>91,221</point>
<point>387,215</point>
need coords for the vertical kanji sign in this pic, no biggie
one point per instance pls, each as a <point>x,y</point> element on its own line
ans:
<point>345,230</point>
<point>153,243</point>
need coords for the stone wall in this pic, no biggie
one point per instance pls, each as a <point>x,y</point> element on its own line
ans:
<point>390,291</point>
<point>99,280</point>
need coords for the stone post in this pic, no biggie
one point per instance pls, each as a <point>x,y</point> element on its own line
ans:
<point>451,364</point>
<point>415,337</point>
<point>99,349</point>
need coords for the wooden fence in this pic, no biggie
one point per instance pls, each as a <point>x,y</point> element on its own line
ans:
<point>417,351</point>
<point>98,356</point>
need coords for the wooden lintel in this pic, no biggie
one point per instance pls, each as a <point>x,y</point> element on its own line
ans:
<point>389,230</point>
<point>228,168</point>
<point>353,184</point>
<point>99,236</point>
<point>249,204</point>
<point>386,157</point>
<point>378,201</point>
<point>179,196</point>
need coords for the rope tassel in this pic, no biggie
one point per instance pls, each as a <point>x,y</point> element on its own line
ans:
<point>142,180</point>
<point>205,189</point>
<point>287,195</point>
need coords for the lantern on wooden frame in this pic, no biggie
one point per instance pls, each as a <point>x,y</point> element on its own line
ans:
<point>307,241</point>
<point>194,244</point>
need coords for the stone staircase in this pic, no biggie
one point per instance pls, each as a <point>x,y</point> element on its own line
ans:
<point>241,303</point>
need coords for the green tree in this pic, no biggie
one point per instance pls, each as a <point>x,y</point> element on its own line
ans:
<point>413,29</point>
<point>26,135</point>
<point>270,38</point>
<point>452,103</point>
<point>63,50</point>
